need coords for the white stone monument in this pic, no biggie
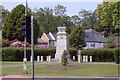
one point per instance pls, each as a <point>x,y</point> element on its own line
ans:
<point>62,43</point>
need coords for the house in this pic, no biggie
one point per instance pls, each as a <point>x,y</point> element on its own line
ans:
<point>117,40</point>
<point>40,41</point>
<point>94,39</point>
<point>49,39</point>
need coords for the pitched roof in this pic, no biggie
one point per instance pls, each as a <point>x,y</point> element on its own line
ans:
<point>93,36</point>
<point>55,36</point>
<point>49,37</point>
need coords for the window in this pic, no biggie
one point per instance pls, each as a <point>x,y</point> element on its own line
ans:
<point>92,45</point>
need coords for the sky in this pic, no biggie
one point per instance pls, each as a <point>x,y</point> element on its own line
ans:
<point>72,6</point>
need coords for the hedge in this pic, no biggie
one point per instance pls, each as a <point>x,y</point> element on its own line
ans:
<point>101,55</point>
<point>73,52</point>
<point>17,54</point>
<point>117,55</point>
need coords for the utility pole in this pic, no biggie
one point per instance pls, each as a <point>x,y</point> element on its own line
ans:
<point>25,58</point>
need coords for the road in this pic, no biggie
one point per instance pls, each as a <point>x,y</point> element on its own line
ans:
<point>65,78</point>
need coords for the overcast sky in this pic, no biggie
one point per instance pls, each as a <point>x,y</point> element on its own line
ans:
<point>73,6</point>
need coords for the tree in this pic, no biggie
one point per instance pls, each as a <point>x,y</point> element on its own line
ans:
<point>75,20</point>
<point>88,19</point>
<point>77,38</point>
<point>60,10</point>
<point>49,22</point>
<point>12,24</point>
<point>3,14</point>
<point>64,59</point>
<point>12,28</point>
<point>108,15</point>
<point>66,21</point>
<point>46,20</point>
<point>110,42</point>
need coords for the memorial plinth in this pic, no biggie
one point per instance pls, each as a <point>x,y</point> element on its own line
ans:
<point>62,43</point>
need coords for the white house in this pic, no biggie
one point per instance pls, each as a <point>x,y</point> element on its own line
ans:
<point>94,39</point>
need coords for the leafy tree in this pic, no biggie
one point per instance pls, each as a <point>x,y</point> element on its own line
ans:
<point>77,38</point>
<point>88,19</point>
<point>64,59</point>
<point>75,20</point>
<point>46,20</point>
<point>110,42</point>
<point>60,10</point>
<point>12,25</point>
<point>66,20</point>
<point>3,14</point>
<point>108,15</point>
<point>1,9</point>
<point>12,28</point>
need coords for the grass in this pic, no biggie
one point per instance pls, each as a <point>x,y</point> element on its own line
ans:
<point>73,69</point>
<point>10,63</point>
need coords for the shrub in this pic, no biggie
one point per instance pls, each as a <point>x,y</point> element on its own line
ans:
<point>64,59</point>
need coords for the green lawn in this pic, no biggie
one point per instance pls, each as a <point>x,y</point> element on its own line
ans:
<point>73,69</point>
<point>10,63</point>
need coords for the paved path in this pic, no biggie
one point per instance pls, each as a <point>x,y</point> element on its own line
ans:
<point>17,65</point>
<point>23,77</point>
<point>15,76</point>
<point>21,64</point>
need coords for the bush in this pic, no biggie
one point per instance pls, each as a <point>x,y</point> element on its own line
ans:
<point>117,55</point>
<point>17,54</point>
<point>5,43</point>
<point>64,59</point>
<point>100,55</point>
